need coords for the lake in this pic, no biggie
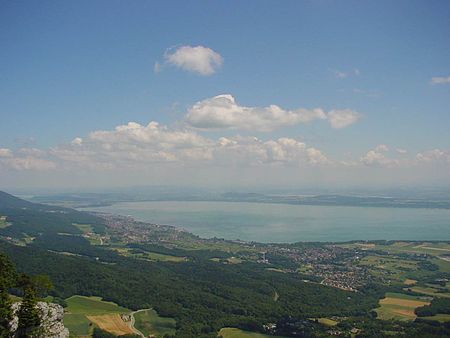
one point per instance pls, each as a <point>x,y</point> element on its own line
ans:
<point>265,222</point>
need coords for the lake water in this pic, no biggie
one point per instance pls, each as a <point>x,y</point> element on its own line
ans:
<point>264,222</point>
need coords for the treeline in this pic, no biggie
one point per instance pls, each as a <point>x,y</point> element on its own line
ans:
<point>437,305</point>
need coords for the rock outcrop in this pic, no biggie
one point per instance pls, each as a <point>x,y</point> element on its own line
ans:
<point>51,315</point>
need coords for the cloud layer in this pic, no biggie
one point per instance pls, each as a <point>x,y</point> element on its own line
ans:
<point>223,112</point>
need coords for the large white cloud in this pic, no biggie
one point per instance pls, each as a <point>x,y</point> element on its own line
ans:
<point>199,59</point>
<point>223,112</point>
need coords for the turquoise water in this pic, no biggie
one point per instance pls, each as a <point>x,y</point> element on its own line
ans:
<point>291,223</point>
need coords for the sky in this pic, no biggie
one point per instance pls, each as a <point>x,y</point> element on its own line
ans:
<point>316,93</point>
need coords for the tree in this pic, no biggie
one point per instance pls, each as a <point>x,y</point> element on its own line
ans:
<point>29,320</point>
<point>7,280</point>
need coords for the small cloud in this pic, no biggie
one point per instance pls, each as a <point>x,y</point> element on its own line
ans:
<point>440,80</point>
<point>401,151</point>
<point>157,67</point>
<point>344,74</point>
<point>368,93</point>
<point>381,148</point>
<point>77,141</point>
<point>342,118</point>
<point>201,60</point>
<point>4,152</point>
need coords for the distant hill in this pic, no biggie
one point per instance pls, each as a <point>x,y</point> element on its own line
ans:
<point>27,219</point>
<point>10,201</point>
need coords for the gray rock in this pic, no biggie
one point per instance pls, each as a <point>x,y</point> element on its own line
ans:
<point>51,315</point>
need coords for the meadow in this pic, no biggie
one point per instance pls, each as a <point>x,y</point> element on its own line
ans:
<point>150,323</point>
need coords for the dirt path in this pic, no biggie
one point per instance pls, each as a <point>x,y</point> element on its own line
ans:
<point>133,321</point>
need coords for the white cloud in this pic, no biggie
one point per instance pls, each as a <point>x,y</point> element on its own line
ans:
<point>435,155</point>
<point>377,157</point>
<point>401,151</point>
<point>344,74</point>
<point>4,152</point>
<point>77,141</point>
<point>223,112</point>
<point>343,118</point>
<point>381,148</point>
<point>440,80</point>
<point>199,59</point>
<point>157,67</point>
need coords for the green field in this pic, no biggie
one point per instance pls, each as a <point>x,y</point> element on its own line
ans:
<point>429,291</point>
<point>78,307</point>
<point>150,256</point>
<point>440,317</point>
<point>229,332</point>
<point>397,306</point>
<point>149,323</point>
<point>85,228</point>
<point>327,321</point>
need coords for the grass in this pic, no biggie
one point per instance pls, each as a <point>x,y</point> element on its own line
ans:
<point>3,223</point>
<point>80,307</point>
<point>327,321</point>
<point>429,291</point>
<point>85,228</point>
<point>409,281</point>
<point>431,248</point>
<point>440,317</point>
<point>398,306</point>
<point>77,324</point>
<point>229,332</point>
<point>92,306</point>
<point>111,323</point>
<point>150,256</point>
<point>149,323</point>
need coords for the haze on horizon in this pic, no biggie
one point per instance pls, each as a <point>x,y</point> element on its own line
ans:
<point>214,94</point>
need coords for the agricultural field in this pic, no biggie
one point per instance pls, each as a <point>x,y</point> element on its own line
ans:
<point>229,332</point>
<point>327,321</point>
<point>398,306</point>
<point>429,291</point>
<point>442,318</point>
<point>431,248</point>
<point>112,323</point>
<point>82,313</point>
<point>150,256</point>
<point>150,323</point>
<point>394,269</point>
<point>85,228</point>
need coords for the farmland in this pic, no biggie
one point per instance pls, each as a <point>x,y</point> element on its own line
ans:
<point>112,323</point>
<point>82,312</point>
<point>399,306</point>
<point>237,333</point>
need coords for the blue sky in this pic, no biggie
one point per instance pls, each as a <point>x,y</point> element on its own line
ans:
<point>68,69</point>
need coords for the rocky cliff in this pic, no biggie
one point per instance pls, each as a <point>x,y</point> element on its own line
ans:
<point>51,320</point>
